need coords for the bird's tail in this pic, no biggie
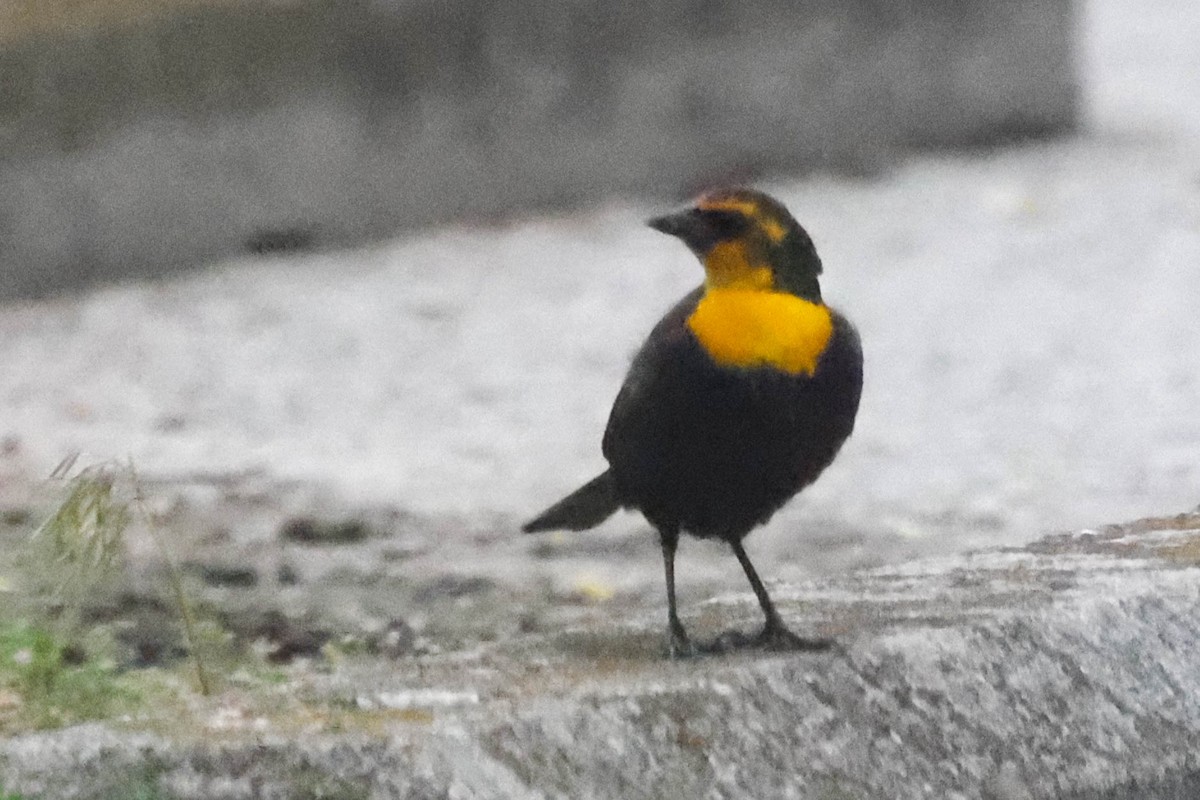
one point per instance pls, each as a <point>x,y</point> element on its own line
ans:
<point>584,508</point>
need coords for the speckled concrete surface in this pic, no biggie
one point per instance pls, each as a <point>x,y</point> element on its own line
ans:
<point>1060,670</point>
<point>1033,356</point>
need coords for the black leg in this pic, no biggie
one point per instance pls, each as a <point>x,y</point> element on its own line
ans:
<point>775,635</point>
<point>678,643</point>
<point>764,600</point>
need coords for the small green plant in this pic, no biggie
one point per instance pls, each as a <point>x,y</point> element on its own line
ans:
<point>44,664</point>
<point>85,536</point>
<point>44,690</point>
<point>82,538</point>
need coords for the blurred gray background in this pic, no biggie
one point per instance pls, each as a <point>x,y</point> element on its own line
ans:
<point>418,265</point>
<point>143,136</point>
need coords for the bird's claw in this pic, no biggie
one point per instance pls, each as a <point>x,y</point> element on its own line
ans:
<point>679,646</point>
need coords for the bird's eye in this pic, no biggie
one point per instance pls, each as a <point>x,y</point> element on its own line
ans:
<point>726,224</point>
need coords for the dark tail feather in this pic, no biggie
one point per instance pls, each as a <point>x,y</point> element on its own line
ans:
<point>584,508</point>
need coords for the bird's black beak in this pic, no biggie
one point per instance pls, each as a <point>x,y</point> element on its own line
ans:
<point>686,225</point>
<point>683,224</point>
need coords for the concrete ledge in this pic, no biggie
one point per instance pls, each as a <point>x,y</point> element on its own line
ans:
<point>1062,670</point>
<point>135,150</point>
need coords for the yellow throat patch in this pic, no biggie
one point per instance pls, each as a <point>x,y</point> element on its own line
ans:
<point>756,328</point>
<point>742,320</point>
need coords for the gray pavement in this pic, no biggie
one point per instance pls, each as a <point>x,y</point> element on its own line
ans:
<point>1063,671</point>
<point>1033,354</point>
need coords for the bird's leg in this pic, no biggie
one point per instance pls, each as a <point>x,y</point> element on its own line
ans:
<point>775,635</point>
<point>678,644</point>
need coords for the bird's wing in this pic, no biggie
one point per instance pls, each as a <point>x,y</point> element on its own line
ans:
<point>668,342</point>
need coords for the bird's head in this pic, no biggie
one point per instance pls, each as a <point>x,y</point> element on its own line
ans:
<point>747,239</point>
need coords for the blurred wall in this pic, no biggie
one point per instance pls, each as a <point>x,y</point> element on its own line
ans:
<point>138,146</point>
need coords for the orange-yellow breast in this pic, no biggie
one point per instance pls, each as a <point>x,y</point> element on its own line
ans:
<point>754,328</point>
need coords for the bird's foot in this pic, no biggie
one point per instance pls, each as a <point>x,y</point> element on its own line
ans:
<point>679,646</point>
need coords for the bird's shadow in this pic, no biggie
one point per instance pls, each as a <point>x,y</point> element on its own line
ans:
<point>735,641</point>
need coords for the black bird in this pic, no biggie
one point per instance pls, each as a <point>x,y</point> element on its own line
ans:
<point>741,396</point>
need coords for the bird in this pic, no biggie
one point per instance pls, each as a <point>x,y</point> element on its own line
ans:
<point>741,396</point>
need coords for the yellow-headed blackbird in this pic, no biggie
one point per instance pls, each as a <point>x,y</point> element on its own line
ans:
<point>741,396</point>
